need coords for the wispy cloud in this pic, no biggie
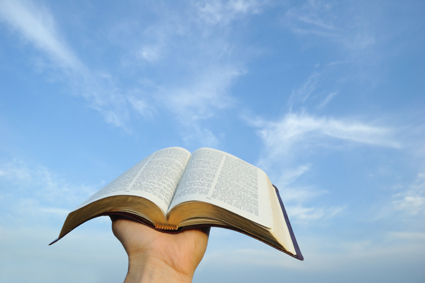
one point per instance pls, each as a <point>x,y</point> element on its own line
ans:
<point>290,176</point>
<point>324,20</point>
<point>202,135</point>
<point>224,12</point>
<point>149,53</point>
<point>327,99</point>
<point>296,194</point>
<point>37,25</point>
<point>315,90</point>
<point>298,199</point>
<point>313,17</point>
<point>306,214</point>
<point>34,181</point>
<point>412,199</point>
<point>296,130</point>
<point>302,94</point>
<point>199,100</point>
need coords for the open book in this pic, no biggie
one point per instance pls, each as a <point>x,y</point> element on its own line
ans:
<point>173,189</point>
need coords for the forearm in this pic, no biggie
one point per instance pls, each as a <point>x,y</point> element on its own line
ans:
<point>152,270</point>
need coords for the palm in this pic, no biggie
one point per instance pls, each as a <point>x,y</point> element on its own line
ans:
<point>182,251</point>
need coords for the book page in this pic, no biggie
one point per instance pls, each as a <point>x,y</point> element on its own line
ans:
<point>224,180</point>
<point>154,178</point>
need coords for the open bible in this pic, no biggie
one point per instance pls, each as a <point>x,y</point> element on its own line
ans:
<point>173,190</point>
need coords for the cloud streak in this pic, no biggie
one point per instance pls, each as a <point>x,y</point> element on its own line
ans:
<point>201,98</point>
<point>294,130</point>
<point>302,94</point>
<point>32,182</point>
<point>412,200</point>
<point>327,99</point>
<point>224,12</point>
<point>37,26</point>
<point>321,19</point>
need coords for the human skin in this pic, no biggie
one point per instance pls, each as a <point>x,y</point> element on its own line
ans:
<point>155,256</point>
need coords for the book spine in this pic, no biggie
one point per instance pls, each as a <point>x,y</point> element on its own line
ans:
<point>166,227</point>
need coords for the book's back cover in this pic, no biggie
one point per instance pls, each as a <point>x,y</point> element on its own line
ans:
<point>291,232</point>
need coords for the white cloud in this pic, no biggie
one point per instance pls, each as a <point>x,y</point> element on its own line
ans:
<point>309,89</point>
<point>305,214</point>
<point>300,195</point>
<point>208,91</point>
<point>297,198</point>
<point>16,171</point>
<point>30,182</point>
<point>150,53</point>
<point>224,12</point>
<point>290,176</point>
<point>412,200</point>
<point>332,22</point>
<point>203,98</point>
<point>202,135</point>
<point>295,194</point>
<point>57,211</point>
<point>327,99</point>
<point>37,25</point>
<point>33,211</point>
<point>140,105</point>
<point>313,17</point>
<point>297,130</point>
<point>302,94</point>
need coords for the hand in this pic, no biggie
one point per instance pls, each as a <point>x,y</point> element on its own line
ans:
<point>160,257</point>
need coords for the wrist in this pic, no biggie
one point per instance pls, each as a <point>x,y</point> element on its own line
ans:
<point>152,269</point>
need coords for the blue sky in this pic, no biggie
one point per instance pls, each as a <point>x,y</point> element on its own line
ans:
<point>327,97</point>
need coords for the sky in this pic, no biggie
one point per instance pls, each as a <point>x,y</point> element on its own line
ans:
<point>327,97</point>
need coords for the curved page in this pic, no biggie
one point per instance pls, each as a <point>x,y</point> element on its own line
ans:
<point>219,178</point>
<point>154,178</point>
